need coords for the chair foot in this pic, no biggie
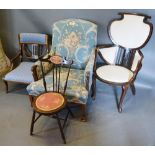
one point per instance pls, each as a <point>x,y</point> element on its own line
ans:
<point>6,86</point>
<point>124,90</point>
<point>32,123</point>
<point>120,110</point>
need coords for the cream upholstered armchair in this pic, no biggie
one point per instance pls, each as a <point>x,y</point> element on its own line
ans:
<point>123,58</point>
<point>28,44</point>
<point>74,39</point>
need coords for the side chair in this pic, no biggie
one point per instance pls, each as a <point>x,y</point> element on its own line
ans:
<point>27,55</point>
<point>51,103</point>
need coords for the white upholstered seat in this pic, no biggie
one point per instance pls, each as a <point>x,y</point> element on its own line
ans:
<point>21,74</point>
<point>114,74</point>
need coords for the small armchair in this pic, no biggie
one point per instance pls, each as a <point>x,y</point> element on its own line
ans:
<point>74,39</point>
<point>123,58</point>
<point>27,55</point>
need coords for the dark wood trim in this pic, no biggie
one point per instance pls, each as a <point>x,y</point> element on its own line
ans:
<point>34,73</point>
<point>145,20</point>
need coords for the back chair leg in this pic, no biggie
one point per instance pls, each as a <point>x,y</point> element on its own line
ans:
<point>124,90</point>
<point>83,113</point>
<point>133,89</point>
<point>69,110</point>
<point>32,123</point>
<point>6,85</point>
<point>61,129</point>
<point>93,95</point>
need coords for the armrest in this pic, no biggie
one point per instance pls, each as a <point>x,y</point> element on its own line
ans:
<point>13,60</point>
<point>36,69</point>
<point>88,73</point>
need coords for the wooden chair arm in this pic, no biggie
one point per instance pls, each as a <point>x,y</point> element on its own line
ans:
<point>13,60</point>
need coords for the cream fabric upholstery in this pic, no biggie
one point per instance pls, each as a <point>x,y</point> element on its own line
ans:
<point>22,73</point>
<point>130,32</point>
<point>115,74</point>
<point>109,54</point>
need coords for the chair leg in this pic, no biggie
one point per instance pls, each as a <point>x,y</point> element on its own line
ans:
<point>93,95</point>
<point>83,113</point>
<point>69,110</point>
<point>124,90</point>
<point>133,89</point>
<point>32,123</point>
<point>31,99</point>
<point>6,85</point>
<point>61,129</point>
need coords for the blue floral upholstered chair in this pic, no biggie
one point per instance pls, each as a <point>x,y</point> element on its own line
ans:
<point>74,39</point>
<point>28,44</point>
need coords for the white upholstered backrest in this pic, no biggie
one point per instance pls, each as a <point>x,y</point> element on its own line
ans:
<point>130,32</point>
<point>136,60</point>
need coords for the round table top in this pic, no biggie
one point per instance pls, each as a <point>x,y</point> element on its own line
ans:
<point>49,101</point>
<point>114,74</point>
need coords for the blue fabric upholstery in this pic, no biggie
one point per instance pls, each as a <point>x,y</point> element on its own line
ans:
<point>75,39</point>
<point>33,38</point>
<point>76,91</point>
<point>22,73</point>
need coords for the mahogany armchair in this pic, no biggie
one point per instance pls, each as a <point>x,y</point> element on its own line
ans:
<point>123,58</point>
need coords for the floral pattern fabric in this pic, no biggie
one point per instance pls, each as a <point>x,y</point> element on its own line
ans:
<point>75,91</point>
<point>75,39</point>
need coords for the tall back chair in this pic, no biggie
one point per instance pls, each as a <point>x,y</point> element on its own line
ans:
<point>74,39</point>
<point>52,102</point>
<point>130,32</point>
<point>123,58</point>
<point>29,44</point>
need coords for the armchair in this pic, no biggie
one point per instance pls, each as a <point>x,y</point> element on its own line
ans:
<point>5,63</point>
<point>28,44</point>
<point>123,58</point>
<point>74,39</point>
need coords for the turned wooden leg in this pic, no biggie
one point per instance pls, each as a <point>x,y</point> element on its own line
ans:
<point>93,95</point>
<point>83,113</point>
<point>32,123</point>
<point>124,90</point>
<point>6,85</point>
<point>61,129</point>
<point>133,89</point>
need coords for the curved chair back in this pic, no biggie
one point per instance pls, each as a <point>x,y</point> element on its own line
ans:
<point>131,31</point>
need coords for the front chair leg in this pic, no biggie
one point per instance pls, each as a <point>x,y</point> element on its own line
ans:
<point>133,89</point>
<point>32,123</point>
<point>6,85</point>
<point>124,90</point>
<point>61,129</point>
